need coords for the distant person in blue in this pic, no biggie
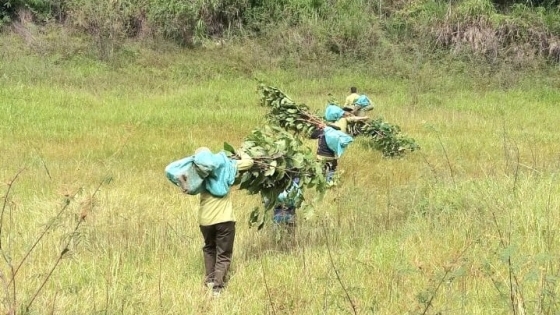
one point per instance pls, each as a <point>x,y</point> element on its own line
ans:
<point>331,143</point>
<point>288,201</point>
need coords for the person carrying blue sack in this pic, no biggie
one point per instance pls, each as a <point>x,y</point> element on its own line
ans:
<point>357,104</point>
<point>338,117</point>
<point>331,144</point>
<point>351,98</point>
<point>284,210</point>
<point>211,176</point>
<point>288,201</point>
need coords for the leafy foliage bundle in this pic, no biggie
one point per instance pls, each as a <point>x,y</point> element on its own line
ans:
<point>285,113</point>
<point>384,137</point>
<point>278,157</point>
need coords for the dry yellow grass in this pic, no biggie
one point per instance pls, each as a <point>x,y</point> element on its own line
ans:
<point>437,231</point>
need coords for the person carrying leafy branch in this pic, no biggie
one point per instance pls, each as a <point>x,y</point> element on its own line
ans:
<point>297,118</point>
<point>362,105</point>
<point>324,153</point>
<point>350,99</point>
<point>211,176</point>
<point>331,143</point>
<point>340,117</point>
<point>357,104</point>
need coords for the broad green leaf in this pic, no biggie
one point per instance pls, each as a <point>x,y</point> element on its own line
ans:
<point>228,148</point>
<point>271,169</point>
<point>254,216</point>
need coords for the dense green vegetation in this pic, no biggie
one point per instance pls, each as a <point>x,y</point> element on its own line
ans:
<point>492,31</point>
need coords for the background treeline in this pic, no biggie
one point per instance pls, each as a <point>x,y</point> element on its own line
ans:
<point>518,31</point>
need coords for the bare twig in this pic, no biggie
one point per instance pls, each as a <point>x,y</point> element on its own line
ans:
<point>11,310</point>
<point>338,278</point>
<point>160,295</point>
<point>516,173</point>
<point>447,159</point>
<point>516,297</point>
<point>47,228</point>
<point>507,157</point>
<point>267,289</point>
<point>432,168</point>
<point>442,280</point>
<point>303,257</point>
<point>107,296</point>
<point>181,237</point>
<point>505,138</point>
<point>53,304</point>
<point>502,243</point>
<point>5,202</point>
<point>3,253</point>
<point>46,168</point>
<point>66,248</point>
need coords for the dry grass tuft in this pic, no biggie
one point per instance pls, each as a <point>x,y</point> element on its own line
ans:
<point>481,36</point>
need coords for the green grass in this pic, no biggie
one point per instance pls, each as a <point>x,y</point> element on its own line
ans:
<point>441,230</point>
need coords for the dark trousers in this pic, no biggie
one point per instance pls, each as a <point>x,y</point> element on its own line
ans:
<point>218,250</point>
<point>330,168</point>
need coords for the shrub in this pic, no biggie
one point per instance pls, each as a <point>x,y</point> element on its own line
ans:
<point>42,10</point>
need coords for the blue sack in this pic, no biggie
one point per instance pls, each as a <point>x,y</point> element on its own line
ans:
<point>333,113</point>
<point>292,196</point>
<point>337,140</point>
<point>185,167</point>
<point>205,170</point>
<point>362,101</point>
<point>221,172</point>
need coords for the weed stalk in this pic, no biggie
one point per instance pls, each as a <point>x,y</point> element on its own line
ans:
<point>267,288</point>
<point>338,278</point>
<point>66,248</point>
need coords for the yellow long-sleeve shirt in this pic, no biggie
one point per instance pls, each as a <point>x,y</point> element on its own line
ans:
<point>342,123</point>
<point>350,99</point>
<point>214,210</point>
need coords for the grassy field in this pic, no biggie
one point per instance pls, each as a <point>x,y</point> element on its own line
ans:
<point>466,225</point>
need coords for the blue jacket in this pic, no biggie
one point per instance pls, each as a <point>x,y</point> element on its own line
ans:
<point>291,196</point>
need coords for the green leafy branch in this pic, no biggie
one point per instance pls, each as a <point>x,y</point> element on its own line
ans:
<point>278,158</point>
<point>286,113</point>
<point>384,137</point>
<point>294,117</point>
